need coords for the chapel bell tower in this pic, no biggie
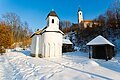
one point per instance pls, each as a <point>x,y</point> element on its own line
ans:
<point>52,20</point>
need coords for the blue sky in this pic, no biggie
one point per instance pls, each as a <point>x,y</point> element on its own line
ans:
<point>35,11</point>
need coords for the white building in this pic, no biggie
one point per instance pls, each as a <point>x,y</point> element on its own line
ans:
<point>80,15</point>
<point>48,41</point>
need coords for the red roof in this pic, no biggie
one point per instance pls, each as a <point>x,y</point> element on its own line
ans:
<point>87,20</point>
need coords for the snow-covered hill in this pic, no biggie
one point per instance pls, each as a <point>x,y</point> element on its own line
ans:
<point>72,66</point>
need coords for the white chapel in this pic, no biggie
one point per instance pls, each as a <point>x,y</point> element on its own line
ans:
<point>48,41</point>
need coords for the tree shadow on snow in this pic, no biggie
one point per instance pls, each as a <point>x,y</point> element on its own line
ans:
<point>26,52</point>
<point>82,71</point>
<point>115,66</point>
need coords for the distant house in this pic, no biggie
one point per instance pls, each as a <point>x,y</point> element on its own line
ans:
<point>101,48</point>
<point>48,41</point>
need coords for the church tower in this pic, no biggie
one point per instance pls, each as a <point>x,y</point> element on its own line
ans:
<point>80,15</point>
<point>52,20</point>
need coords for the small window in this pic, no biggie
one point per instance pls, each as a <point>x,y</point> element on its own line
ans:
<point>80,13</point>
<point>52,20</point>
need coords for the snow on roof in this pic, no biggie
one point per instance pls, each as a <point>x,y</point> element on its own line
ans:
<point>49,29</point>
<point>66,41</point>
<point>36,33</point>
<point>99,40</point>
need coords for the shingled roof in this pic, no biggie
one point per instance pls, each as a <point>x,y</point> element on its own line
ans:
<point>52,13</point>
<point>36,33</point>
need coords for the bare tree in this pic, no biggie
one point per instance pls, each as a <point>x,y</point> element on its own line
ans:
<point>115,11</point>
<point>65,26</point>
<point>20,31</point>
<point>12,20</point>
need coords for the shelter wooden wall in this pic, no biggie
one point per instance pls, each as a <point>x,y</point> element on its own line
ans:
<point>102,52</point>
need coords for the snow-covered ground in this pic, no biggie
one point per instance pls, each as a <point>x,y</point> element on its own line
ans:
<point>72,66</point>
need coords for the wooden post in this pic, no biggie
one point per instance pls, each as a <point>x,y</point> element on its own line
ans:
<point>113,52</point>
<point>89,53</point>
<point>106,53</point>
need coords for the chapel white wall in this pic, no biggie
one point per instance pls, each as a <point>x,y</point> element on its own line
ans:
<point>35,47</point>
<point>52,44</point>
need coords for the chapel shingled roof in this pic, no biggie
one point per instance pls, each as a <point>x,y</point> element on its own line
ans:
<point>36,33</point>
<point>52,13</point>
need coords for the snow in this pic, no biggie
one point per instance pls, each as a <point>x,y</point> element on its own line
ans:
<point>66,41</point>
<point>72,66</point>
<point>18,48</point>
<point>99,40</point>
<point>90,62</point>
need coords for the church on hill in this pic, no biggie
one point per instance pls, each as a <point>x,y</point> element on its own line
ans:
<point>84,23</point>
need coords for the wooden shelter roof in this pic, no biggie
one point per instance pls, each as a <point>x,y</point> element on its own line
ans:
<point>99,40</point>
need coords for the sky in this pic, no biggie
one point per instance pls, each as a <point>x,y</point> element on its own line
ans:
<point>35,11</point>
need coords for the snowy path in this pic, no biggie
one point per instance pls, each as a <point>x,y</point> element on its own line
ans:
<point>6,70</point>
<point>2,75</point>
<point>17,66</point>
<point>23,70</point>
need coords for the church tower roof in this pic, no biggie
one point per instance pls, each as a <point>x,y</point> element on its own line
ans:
<point>79,9</point>
<point>52,13</point>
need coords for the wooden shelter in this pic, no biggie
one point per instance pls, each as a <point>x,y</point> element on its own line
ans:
<point>67,46</point>
<point>101,48</point>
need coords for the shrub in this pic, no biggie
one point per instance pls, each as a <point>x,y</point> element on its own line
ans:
<point>2,50</point>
